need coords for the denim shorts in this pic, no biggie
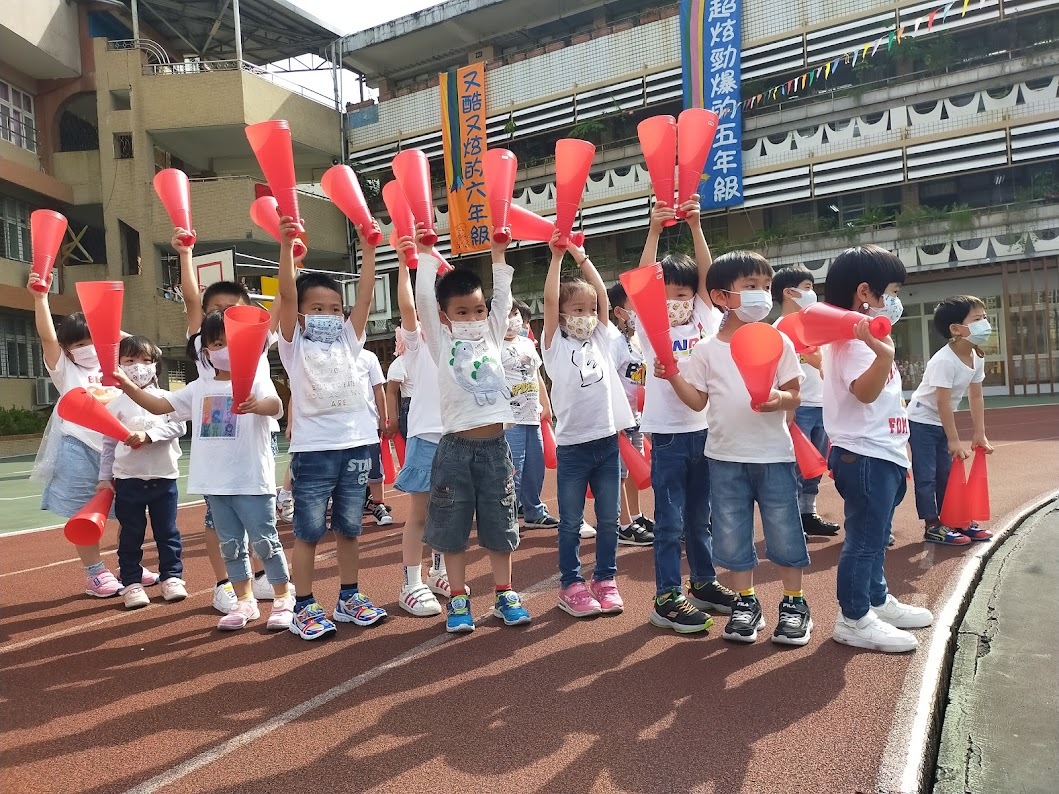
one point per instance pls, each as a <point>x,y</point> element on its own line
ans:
<point>472,479</point>
<point>636,437</point>
<point>418,459</point>
<point>73,483</point>
<point>340,475</point>
<point>375,456</point>
<point>735,487</point>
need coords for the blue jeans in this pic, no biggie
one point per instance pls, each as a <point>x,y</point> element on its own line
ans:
<point>134,500</point>
<point>931,464</point>
<point>527,455</point>
<point>253,516</point>
<point>340,475</point>
<point>593,463</point>
<point>680,476</point>
<point>871,490</point>
<point>810,420</point>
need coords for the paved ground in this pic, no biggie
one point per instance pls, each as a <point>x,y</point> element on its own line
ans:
<point>1000,731</point>
<point>97,699</point>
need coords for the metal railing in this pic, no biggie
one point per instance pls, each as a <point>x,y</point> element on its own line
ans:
<point>195,67</point>
<point>20,132</point>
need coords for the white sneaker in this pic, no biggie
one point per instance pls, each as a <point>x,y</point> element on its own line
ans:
<point>135,596</point>
<point>224,598</point>
<point>874,634</point>
<point>173,589</point>
<point>587,531</point>
<point>382,516</point>
<point>438,582</point>
<point>244,612</point>
<point>261,589</point>
<point>282,614</point>
<point>285,511</point>
<point>903,616</point>
<point>419,600</point>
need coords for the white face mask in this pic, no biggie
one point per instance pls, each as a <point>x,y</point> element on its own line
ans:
<point>469,330</point>
<point>85,357</point>
<point>220,360</point>
<point>140,374</point>
<point>891,309</point>
<point>805,298</point>
<point>680,311</point>
<point>580,326</point>
<point>979,332</point>
<point>754,305</point>
<point>514,324</point>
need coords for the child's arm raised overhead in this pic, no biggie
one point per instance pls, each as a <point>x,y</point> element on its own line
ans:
<point>358,318</point>
<point>45,327</point>
<point>869,385</point>
<point>591,275</point>
<point>189,280</point>
<point>660,213</point>
<point>976,402</point>
<point>703,257</point>
<point>551,289</point>
<point>502,299</point>
<point>406,299</point>
<point>426,298</point>
<point>288,280</point>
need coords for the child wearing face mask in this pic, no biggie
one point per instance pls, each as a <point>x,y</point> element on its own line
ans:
<point>142,472</point>
<point>680,475</point>
<point>866,421</point>
<point>69,454</point>
<point>750,453</point>
<point>955,370</point>
<point>232,461</point>
<point>792,289</point>
<point>591,410</point>
<point>332,431</point>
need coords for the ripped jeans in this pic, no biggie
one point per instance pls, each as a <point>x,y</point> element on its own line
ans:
<point>242,516</point>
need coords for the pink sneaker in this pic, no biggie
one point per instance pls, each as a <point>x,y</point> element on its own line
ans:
<point>577,600</point>
<point>102,586</point>
<point>282,614</point>
<point>606,592</point>
<point>148,578</point>
<point>244,612</point>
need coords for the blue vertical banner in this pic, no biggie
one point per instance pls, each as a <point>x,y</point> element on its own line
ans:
<point>711,33</point>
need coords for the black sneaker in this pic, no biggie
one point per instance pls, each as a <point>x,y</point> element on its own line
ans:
<point>673,611</point>
<point>713,596</point>
<point>544,522</point>
<point>746,619</point>
<point>634,535</point>
<point>794,624</point>
<point>812,524</point>
<point>647,524</point>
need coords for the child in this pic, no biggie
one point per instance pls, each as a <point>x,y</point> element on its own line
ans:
<point>472,474</point>
<point>232,461</point>
<point>369,375</point>
<point>142,472</point>
<point>792,288</point>
<point>750,452</point>
<point>866,421</point>
<point>332,431</point>
<point>955,370</point>
<point>634,529</point>
<point>680,474</point>
<point>68,462</point>
<point>591,411</point>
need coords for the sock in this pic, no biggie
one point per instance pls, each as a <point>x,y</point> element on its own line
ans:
<point>748,593</point>
<point>461,592</point>
<point>807,503</point>
<point>96,568</point>
<point>638,515</point>
<point>413,575</point>
<point>223,582</point>
<point>625,526</point>
<point>346,590</point>
<point>503,588</point>
<point>300,602</point>
<point>439,562</point>
<point>798,596</point>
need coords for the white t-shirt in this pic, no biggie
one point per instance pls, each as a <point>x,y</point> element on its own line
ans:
<point>629,362</point>
<point>738,433</point>
<point>68,376</point>
<point>369,374</point>
<point>424,412</point>
<point>945,369</point>
<point>587,400</point>
<point>231,454</point>
<point>521,369</point>
<point>264,369</point>
<point>663,412</point>
<point>398,373</point>
<point>876,430</point>
<point>330,405</point>
<point>154,461</point>
<point>812,384</point>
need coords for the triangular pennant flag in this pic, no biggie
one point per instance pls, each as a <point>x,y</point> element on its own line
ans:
<point>890,43</point>
<point>855,54</point>
<point>930,20</point>
<point>875,49</point>
<point>963,13</point>
<point>919,21</point>
<point>827,69</point>
<point>812,76</point>
<point>783,90</point>
<point>846,57</point>
<point>804,76</point>
<point>948,8</point>
<point>900,32</point>
<point>864,52</point>
<point>834,66</point>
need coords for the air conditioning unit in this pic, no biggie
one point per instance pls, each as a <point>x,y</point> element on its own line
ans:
<point>47,394</point>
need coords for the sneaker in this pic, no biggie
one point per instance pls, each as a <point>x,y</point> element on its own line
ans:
<point>874,634</point>
<point>224,598</point>
<point>813,524</point>
<point>508,606</point>
<point>174,589</point>
<point>311,623</point>
<point>244,612</point>
<point>975,532</point>
<point>359,610</point>
<point>673,611</point>
<point>577,600</point>
<point>261,589</point>
<point>647,524</point>
<point>438,582</point>
<point>903,616</point>
<point>285,511</point>
<point>634,535</point>
<point>794,623</point>
<point>419,601</point>
<point>544,522</point>
<point>587,531</point>
<point>939,533</point>
<point>890,542</point>
<point>606,593</point>
<point>135,596</point>
<point>746,619</point>
<point>713,596</point>
<point>381,514</point>
<point>149,578</point>
<point>282,615</point>
<point>103,586</point>
<point>459,620</point>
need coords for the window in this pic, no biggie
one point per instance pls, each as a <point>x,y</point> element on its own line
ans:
<point>122,145</point>
<point>20,351</point>
<point>16,117</point>
<point>14,230</point>
<point>130,250</point>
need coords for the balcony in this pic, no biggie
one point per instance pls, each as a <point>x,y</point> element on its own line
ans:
<point>80,170</point>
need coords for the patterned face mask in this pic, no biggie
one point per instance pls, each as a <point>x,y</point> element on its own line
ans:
<point>580,326</point>
<point>679,311</point>
<point>140,374</point>
<point>514,324</point>
<point>469,330</point>
<point>892,309</point>
<point>323,328</point>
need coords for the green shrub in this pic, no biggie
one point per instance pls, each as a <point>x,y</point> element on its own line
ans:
<point>22,422</point>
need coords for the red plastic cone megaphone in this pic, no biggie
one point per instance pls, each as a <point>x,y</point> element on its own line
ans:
<point>823,324</point>
<point>412,172</point>
<point>340,184</point>
<point>641,398</point>
<point>174,191</point>
<point>101,303</point>
<point>404,222</point>
<point>500,166</point>
<point>647,293</point>
<point>272,147</point>
<point>791,326</point>
<point>548,437</point>
<point>389,470</point>
<point>978,487</point>
<point>573,161</point>
<point>46,230</point>
<point>399,447</point>
<point>528,226</point>
<point>81,408</point>
<point>756,350</point>
<point>639,467</point>
<point>658,140</point>
<point>264,212</point>
<point>955,508</point>
<point>246,331</point>
<point>810,462</point>
<point>444,267</point>
<point>695,130</point>
<point>86,526</point>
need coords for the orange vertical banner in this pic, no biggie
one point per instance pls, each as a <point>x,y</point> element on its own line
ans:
<point>463,114</point>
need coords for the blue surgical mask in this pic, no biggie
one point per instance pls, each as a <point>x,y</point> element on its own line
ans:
<point>979,332</point>
<point>323,328</point>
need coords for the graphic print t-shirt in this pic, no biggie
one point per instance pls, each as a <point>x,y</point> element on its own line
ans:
<point>520,361</point>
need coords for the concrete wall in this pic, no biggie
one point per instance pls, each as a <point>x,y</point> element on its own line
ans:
<point>41,36</point>
<point>18,392</point>
<point>79,170</point>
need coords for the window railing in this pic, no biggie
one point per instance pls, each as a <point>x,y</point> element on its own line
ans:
<point>20,132</point>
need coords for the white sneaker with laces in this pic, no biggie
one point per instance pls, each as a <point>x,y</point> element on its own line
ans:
<point>419,600</point>
<point>261,589</point>
<point>903,616</point>
<point>874,634</point>
<point>224,598</point>
<point>587,531</point>
<point>382,516</point>
<point>285,511</point>
<point>135,596</point>
<point>174,589</point>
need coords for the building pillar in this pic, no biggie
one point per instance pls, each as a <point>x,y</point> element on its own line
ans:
<point>238,33</point>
